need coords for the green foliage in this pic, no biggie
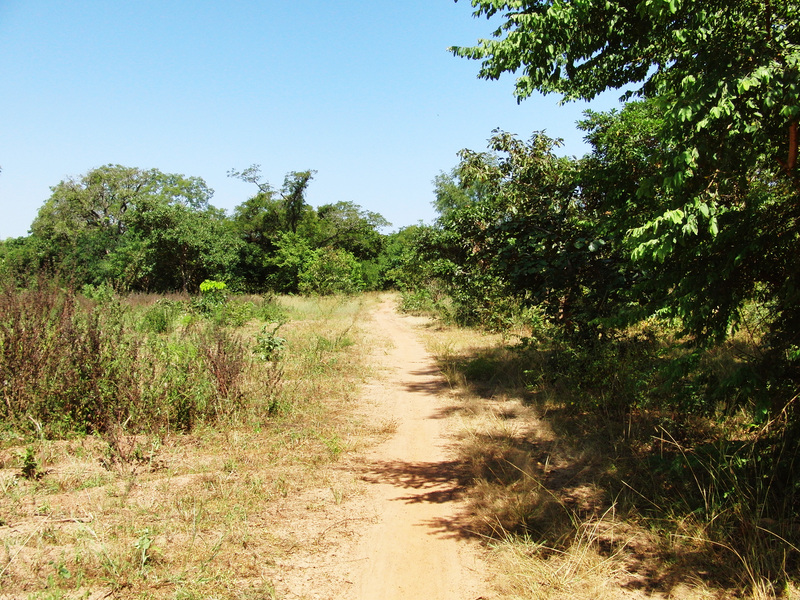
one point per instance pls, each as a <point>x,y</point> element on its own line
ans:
<point>161,317</point>
<point>144,230</point>
<point>294,190</point>
<point>212,296</point>
<point>451,195</point>
<point>269,345</point>
<point>136,229</point>
<point>30,466</point>
<point>292,254</point>
<point>212,288</point>
<point>102,294</point>
<point>68,366</point>
<point>331,271</point>
<point>283,235</point>
<point>720,183</point>
<point>347,226</point>
<point>401,263</point>
<point>528,238</point>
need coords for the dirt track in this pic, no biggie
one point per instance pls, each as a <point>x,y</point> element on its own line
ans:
<point>404,535</point>
<point>417,547</point>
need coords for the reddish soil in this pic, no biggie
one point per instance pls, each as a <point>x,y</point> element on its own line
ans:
<point>403,534</point>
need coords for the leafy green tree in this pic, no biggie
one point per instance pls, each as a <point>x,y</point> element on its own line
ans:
<point>725,78</point>
<point>294,192</point>
<point>331,271</point>
<point>292,254</point>
<point>713,219</point>
<point>258,223</point>
<point>291,208</point>
<point>181,247</point>
<point>258,220</point>
<point>450,194</point>
<point>139,229</point>
<point>529,237</point>
<point>20,258</point>
<point>347,226</point>
<point>263,221</point>
<point>280,230</point>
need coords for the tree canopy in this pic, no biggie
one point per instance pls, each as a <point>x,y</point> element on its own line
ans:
<point>143,229</point>
<point>721,183</point>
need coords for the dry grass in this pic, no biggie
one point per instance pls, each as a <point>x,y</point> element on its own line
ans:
<point>200,515</point>
<point>546,498</point>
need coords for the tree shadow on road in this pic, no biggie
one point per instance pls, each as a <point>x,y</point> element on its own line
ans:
<point>437,482</point>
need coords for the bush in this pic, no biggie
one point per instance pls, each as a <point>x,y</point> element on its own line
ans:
<point>67,367</point>
<point>61,365</point>
<point>331,271</point>
<point>161,317</point>
<point>212,296</point>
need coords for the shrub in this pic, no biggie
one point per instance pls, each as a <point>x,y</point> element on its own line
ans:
<point>331,271</point>
<point>268,345</point>
<point>67,367</point>
<point>161,317</point>
<point>61,365</point>
<point>212,296</point>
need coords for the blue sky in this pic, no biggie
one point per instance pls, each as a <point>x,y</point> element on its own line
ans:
<point>365,93</point>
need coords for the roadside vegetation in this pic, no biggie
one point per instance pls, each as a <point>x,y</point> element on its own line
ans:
<point>175,436</point>
<point>641,398</point>
<point>582,494</point>
<point>629,361</point>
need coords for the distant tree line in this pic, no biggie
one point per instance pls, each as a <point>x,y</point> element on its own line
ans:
<point>144,230</point>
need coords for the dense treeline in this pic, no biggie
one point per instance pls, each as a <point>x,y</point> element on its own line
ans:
<point>145,230</point>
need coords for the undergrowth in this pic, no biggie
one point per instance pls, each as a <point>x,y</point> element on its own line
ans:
<point>211,436</point>
<point>624,460</point>
<point>72,364</point>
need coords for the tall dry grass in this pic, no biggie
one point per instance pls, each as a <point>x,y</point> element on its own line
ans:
<point>209,511</point>
<point>588,491</point>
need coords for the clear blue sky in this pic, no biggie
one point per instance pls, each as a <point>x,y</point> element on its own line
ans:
<point>363,92</point>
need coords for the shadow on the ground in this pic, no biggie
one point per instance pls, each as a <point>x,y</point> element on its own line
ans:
<point>604,481</point>
<point>433,382</point>
<point>437,482</point>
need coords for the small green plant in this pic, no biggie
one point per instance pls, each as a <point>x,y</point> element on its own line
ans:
<point>269,345</point>
<point>102,293</point>
<point>210,287</point>
<point>162,316</point>
<point>212,296</point>
<point>30,466</point>
<point>142,547</point>
<point>213,291</point>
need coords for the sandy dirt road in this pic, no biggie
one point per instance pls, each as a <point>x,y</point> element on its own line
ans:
<point>405,533</point>
<point>418,546</point>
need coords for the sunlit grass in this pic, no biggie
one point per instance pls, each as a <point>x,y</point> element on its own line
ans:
<point>193,515</point>
<point>562,487</point>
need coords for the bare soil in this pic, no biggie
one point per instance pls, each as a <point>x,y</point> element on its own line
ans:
<point>399,526</point>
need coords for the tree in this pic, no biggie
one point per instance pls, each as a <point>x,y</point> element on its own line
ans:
<point>109,224</point>
<point>293,206</point>
<point>348,226</point>
<point>293,252</point>
<point>725,78</point>
<point>294,197</point>
<point>178,247</point>
<point>331,271</point>
<point>528,238</point>
<point>400,262</point>
<point>451,194</point>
